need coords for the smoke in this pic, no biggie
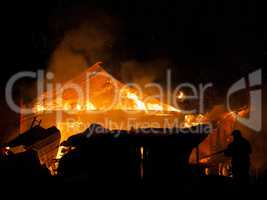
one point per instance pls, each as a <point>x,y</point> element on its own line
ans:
<point>83,45</point>
<point>90,35</point>
<point>146,72</point>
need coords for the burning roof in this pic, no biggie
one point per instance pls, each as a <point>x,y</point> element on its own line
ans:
<point>98,90</point>
<point>97,97</point>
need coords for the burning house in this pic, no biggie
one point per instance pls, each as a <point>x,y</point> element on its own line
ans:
<point>117,106</point>
<point>97,97</point>
<point>104,100</point>
<point>113,105</point>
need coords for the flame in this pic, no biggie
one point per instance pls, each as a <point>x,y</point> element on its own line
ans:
<point>39,108</point>
<point>172,109</point>
<point>64,105</point>
<point>67,107</point>
<point>156,107</point>
<point>101,98</point>
<point>89,106</point>
<point>78,107</point>
<point>130,101</point>
<point>139,105</point>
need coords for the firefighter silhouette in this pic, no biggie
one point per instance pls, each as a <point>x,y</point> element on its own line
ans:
<point>239,150</point>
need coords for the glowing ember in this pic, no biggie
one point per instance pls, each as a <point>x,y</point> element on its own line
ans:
<point>194,120</point>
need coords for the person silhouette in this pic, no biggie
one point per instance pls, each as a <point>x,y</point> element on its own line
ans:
<point>239,150</point>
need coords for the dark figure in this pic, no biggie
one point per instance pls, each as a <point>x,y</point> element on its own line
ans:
<point>240,151</point>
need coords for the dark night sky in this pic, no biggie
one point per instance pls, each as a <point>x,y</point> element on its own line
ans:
<point>205,40</point>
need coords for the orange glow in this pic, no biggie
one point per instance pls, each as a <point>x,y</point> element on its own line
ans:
<point>78,107</point>
<point>131,101</point>
<point>204,160</point>
<point>156,107</point>
<point>39,108</point>
<point>89,106</point>
<point>172,109</point>
<point>102,96</point>
<point>180,96</point>
<point>67,107</point>
<point>106,94</point>
<point>194,120</point>
<point>139,105</point>
<point>142,152</point>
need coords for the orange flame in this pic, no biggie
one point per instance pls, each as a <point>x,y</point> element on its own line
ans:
<point>130,101</point>
<point>139,105</point>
